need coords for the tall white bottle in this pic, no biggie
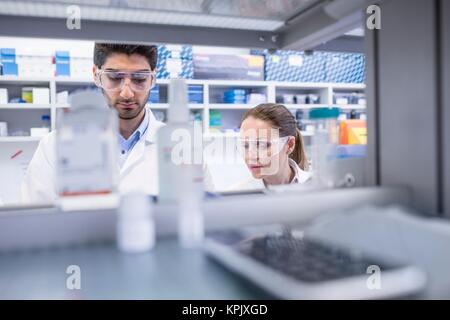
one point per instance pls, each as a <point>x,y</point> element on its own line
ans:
<point>180,152</point>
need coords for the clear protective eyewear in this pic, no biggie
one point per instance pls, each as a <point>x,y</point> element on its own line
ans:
<point>115,80</point>
<point>261,147</point>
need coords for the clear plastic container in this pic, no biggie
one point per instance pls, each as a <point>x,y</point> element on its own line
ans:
<point>86,146</point>
<point>324,145</point>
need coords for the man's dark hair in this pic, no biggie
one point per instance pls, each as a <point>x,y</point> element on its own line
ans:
<point>103,50</point>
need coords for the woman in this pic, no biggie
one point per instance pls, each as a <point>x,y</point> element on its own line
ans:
<point>272,145</point>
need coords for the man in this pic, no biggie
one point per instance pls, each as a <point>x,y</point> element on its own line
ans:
<point>125,73</point>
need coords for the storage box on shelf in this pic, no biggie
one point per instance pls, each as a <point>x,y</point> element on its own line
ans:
<point>316,66</point>
<point>8,62</point>
<point>294,66</point>
<point>62,63</point>
<point>349,96</point>
<point>175,61</point>
<point>224,66</point>
<point>345,67</point>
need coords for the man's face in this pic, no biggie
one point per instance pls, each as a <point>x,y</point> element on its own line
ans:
<point>128,103</point>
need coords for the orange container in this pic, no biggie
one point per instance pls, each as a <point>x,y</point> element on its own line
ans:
<point>353,131</point>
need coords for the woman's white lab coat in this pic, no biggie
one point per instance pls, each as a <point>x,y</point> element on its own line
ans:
<point>138,173</point>
<point>300,177</point>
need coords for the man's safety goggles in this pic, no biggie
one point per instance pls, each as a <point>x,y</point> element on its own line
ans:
<point>115,80</point>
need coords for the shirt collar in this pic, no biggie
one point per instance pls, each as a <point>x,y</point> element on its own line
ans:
<point>143,126</point>
<point>136,135</point>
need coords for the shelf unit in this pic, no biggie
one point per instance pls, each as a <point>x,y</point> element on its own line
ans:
<point>20,139</point>
<point>212,92</point>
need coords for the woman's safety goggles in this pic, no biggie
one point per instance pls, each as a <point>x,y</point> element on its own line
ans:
<point>115,80</point>
<point>261,147</point>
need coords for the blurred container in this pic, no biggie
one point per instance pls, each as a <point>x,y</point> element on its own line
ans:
<point>3,129</point>
<point>324,144</point>
<point>39,132</point>
<point>353,131</point>
<point>226,66</point>
<point>135,230</point>
<point>27,94</point>
<point>3,96</point>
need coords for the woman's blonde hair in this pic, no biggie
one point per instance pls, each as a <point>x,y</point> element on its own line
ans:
<point>281,118</point>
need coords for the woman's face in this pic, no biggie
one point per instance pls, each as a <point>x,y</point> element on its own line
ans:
<point>263,150</point>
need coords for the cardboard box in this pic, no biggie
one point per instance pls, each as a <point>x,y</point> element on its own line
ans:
<point>175,68</point>
<point>175,51</point>
<point>231,67</point>
<point>41,95</point>
<point>353,132</point>
<point>35,66</point>
<point>345,67</point>
<point>81,67</point>
<point>295,66</point>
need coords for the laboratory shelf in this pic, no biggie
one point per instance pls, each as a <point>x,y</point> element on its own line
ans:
<point>24,80</point>
<point>299,85</point>
<point>347,86</point>
<point>75,81</point>
<point>310,106</point>
<point>20,139</point>
<point>213,91</point>
<point>24,106</point>
<point>165,106</point>
<point>304,106</point>
<point>352,106</point>
<point>231,106</point>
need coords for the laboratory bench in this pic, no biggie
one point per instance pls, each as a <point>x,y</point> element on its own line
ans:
<point>169,271</point>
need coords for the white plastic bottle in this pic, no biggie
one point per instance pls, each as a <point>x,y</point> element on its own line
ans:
<point>180,159</point>
<point>190,221</point>
<point>135,224</point>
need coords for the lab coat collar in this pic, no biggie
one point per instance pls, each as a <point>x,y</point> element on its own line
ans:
<point>153,126</point>
<point>137,153</point>
<point>300,176</point>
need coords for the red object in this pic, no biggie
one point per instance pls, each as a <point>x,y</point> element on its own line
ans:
<point>85,193</point>
<point>16,154</point>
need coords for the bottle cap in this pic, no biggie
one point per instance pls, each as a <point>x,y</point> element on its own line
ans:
<point>324,113</point>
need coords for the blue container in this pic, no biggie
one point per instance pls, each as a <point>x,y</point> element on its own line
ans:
<point>154,94</point>
<point>8,55</point>
<point>352,151</point>
<point>235,100</point>
<point>235,96</point>
<point>10,69</point>
<point>235,92</point>
<point>62,62</point>
<point>195,93</point>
